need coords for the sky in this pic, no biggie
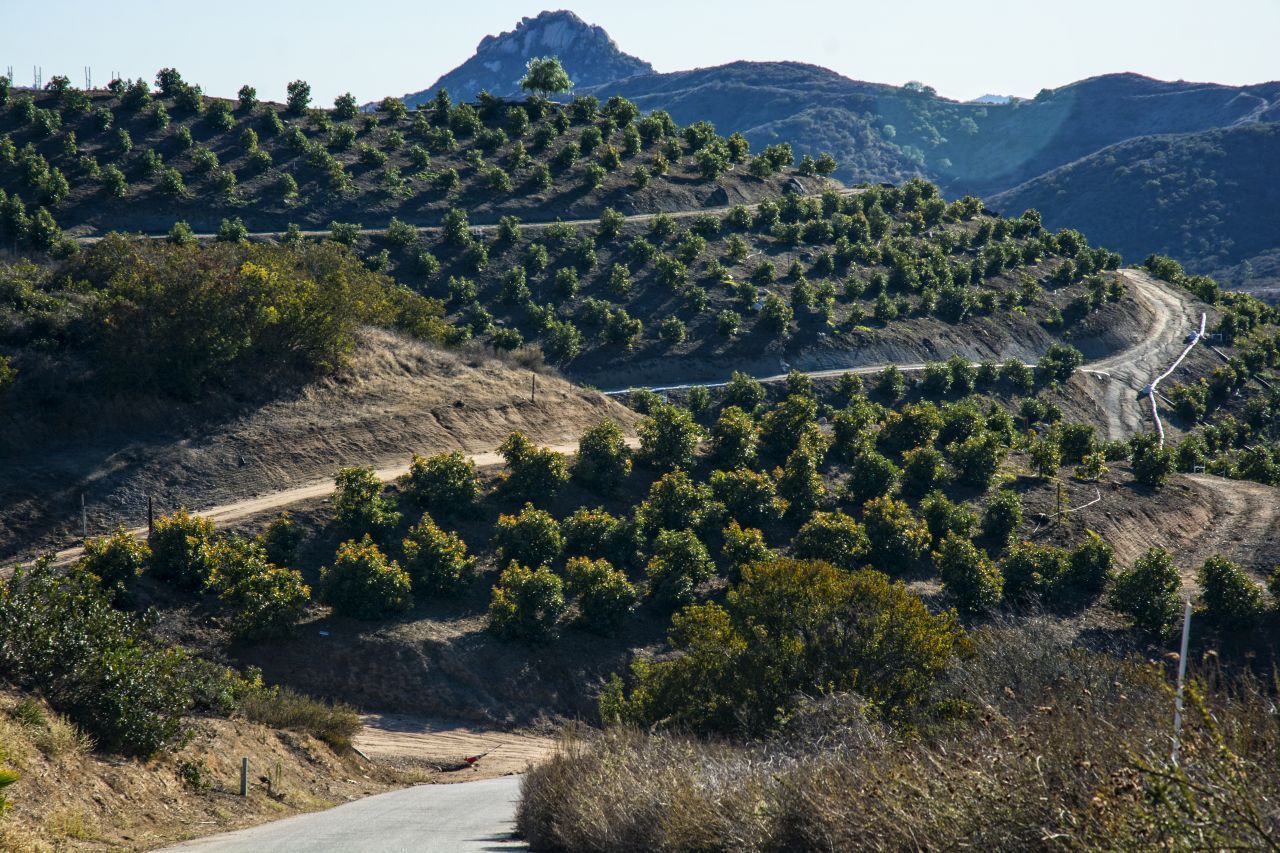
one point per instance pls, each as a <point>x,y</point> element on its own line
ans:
<point>392,47</point>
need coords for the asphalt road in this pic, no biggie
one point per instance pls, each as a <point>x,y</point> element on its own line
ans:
<point>465,817</point>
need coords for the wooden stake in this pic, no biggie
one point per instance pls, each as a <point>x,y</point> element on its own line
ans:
<point>244,776</point>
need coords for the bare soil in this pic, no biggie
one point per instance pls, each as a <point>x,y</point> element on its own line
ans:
<point>397,397</point>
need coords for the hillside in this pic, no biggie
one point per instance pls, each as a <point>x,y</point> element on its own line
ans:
<point>990,148</point>
<point>132,160</point>
<point>1210,199</point>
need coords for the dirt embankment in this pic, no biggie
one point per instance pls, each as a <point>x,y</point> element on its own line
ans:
<point>71,798</point>
<point>396,398</point>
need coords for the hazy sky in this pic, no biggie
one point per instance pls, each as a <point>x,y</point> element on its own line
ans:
<point>964,49</point>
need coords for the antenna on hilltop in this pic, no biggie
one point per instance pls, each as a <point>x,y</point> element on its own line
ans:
<point>88,79</point>
<point>37,75</point>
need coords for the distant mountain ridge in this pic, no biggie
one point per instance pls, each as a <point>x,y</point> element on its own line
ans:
<point>586,51</point>
<point>1000,149</point>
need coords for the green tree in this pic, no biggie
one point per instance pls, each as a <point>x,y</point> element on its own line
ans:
<point>605,596</point>
<point>298,96</point>
<point>604,460</point>
<point>1002,517</point>
<point>545,76</point>
<point>835,538</point>
<point>733,439</point>
<point>743,546</point>
<point>668,437</point>
<point>532,538</point>
<point>180,546</point>
<point>1148,593</point>
<point>526,604</point>
<point>116,560</point>
<point>897,537</point>
<point>359,504</point>
<point>1031,573</point>
<point>533,473</point>
<point>597,534</point>
<point>435,559</point>
<point>674,501</point>
<point>791,628</point>
<point>1152,462</point>
<point>264,600</point>
<point>1230,598</point>
<point>281,539</point>
<point>968,575</point>
<point>680,563</point>
<point>363,583</point>
<point>444,484</point>
<point>1089,569</point>
<point>749,496</point>
<point>744,392</point>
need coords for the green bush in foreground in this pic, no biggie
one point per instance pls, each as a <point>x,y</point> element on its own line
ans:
<point>445,484</point>
<point>359,505</point>
<point>789,628</point>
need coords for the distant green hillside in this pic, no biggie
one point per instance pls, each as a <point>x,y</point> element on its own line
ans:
<point>1210,199</point>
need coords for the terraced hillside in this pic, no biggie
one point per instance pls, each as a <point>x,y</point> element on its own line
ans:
<point>133,159</point>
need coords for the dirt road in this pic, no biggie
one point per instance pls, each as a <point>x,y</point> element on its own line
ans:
<point>405,740</point>
<point>1245,527</point>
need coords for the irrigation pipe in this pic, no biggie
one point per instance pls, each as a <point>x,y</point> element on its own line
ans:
<point>1155,383</point>
<point>1070,510</point>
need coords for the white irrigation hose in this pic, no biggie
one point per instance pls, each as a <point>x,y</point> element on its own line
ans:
<point>1155,383</point>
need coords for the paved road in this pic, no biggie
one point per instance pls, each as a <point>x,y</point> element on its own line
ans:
<point>465,817</point>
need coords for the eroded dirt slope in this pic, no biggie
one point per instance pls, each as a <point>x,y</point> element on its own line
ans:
<point>396,398</point>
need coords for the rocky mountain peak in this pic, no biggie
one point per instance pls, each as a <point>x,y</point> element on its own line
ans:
<point>588,53</point>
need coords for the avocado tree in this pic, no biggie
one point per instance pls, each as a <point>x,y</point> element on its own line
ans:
<point>544,75</point>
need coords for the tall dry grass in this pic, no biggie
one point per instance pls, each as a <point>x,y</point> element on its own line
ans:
<point>1057,749</point>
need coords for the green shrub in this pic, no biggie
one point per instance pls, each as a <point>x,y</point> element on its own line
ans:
<point>604,460</point>
<point>359,506</point>
<point>834,538</point>
<point>281,539</point>
<point>597,534</point>
<point>533,473</point>
<point>968,575</point>
<point>526,604</point>
<point>532,538</point>
<point>265,600</point>
<point>436,560</point>
<point>1031,573</point>
<point>605,596</point>
<point>791,628</point>
<point>897,538</point>
<point>180,549</point>
<point>733,438</point>
<point>363,583</point>
<point>674,501</point>
<point>749,496</point>
<point>115,560</point>
<point>1148,593</point>
<point>1002,517</point>
<point>1152,463</point>
<point>1230,598</point>
<point>680,563</point>
<point>668,437</point>
<point>1088,571</point>
<point>444,484</point>
<point>60,635</point>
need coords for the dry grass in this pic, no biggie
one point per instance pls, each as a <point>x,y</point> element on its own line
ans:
<point>1059,749</point>
<point>282,708</point>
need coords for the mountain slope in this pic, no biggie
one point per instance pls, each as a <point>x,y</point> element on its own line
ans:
<point>1210,199</point>
<point>586,51</point>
